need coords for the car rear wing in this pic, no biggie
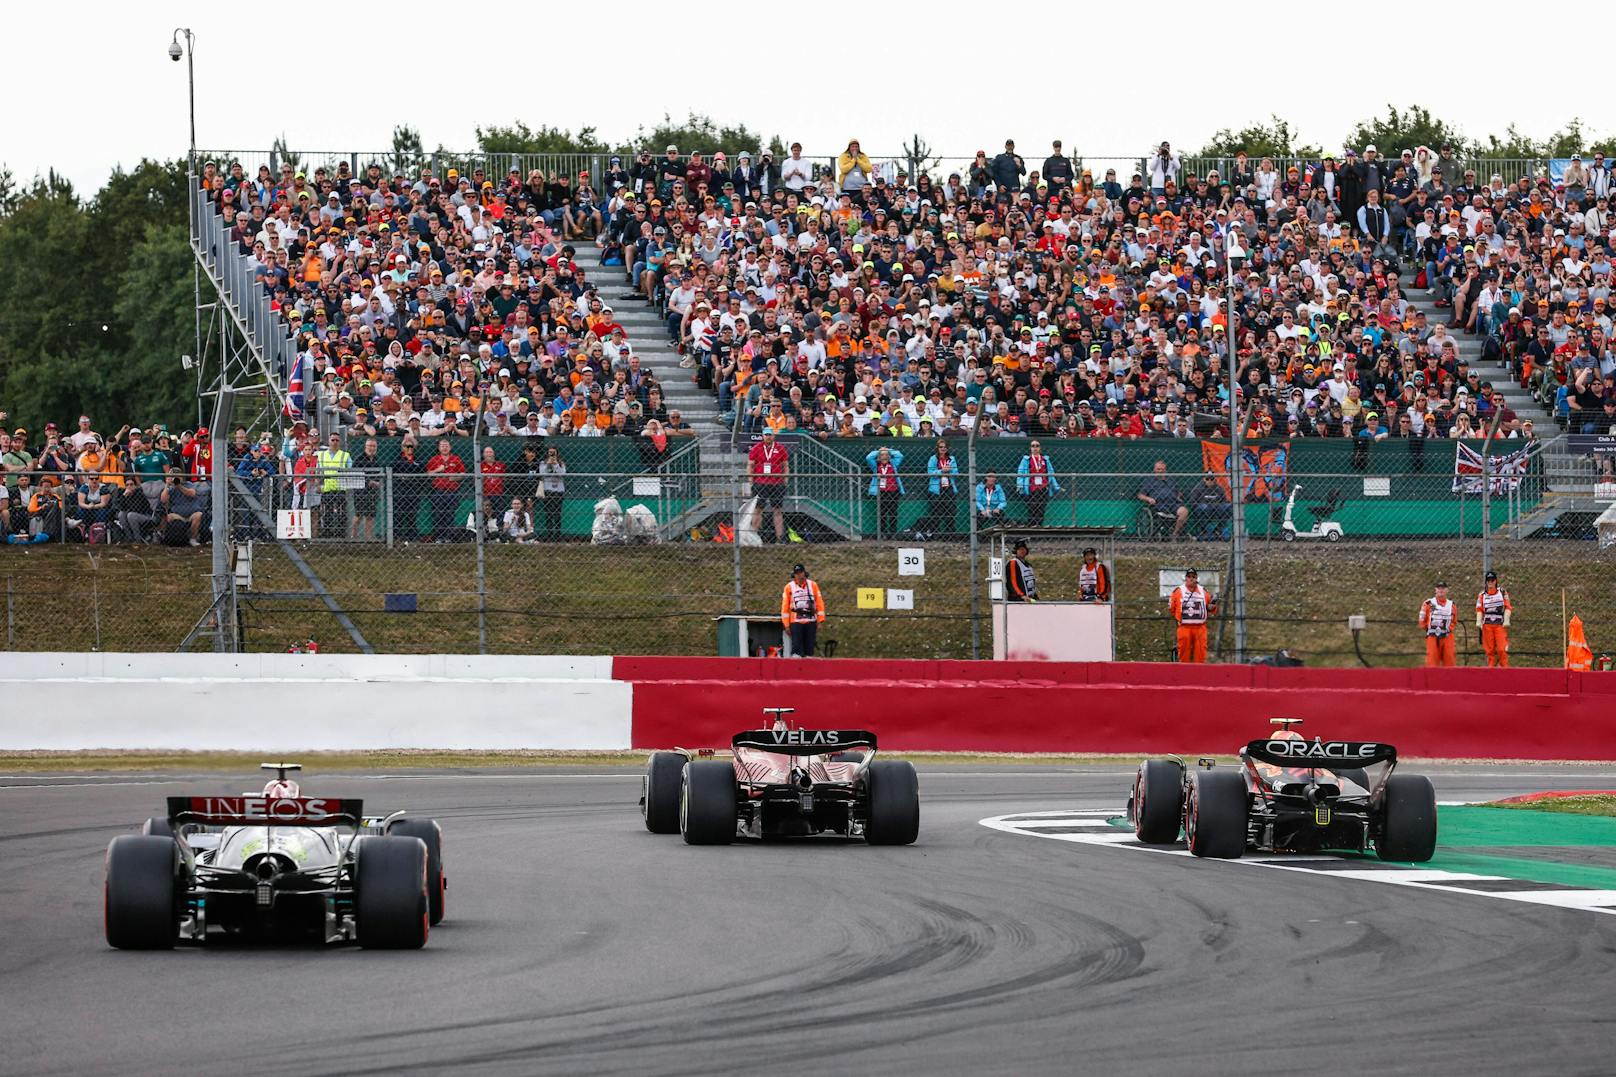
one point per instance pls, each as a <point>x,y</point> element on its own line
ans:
<point>1321,754</point>
<point>804,741</point>
<point>266,811</point>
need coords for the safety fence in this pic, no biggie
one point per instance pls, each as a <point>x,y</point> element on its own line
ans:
<point>665,561</point>
<point>591,167</point>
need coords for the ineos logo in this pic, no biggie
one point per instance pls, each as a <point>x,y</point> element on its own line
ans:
<point>1301,749</point>
<point>266,809</point>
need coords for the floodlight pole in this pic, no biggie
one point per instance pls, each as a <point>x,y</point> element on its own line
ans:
<point>1237,530</point>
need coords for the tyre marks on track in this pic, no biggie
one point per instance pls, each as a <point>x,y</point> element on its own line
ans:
<point>1092,826</point>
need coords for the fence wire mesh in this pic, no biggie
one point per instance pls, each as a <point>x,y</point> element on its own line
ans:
<point>649,561</point>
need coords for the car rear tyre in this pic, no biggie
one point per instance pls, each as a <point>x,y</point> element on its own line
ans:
<point>707,802</point>
<point>1215,815</point>
<point>894,795</point>
<point>1158,801</point>
<point>391,900</point>
<point>157,828</point>
<point>664,779</point>
<point>431,833</point>
<point>142,899</point>
<point>1408,831</point>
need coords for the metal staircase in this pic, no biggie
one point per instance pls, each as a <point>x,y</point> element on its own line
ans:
<point>255,351</point>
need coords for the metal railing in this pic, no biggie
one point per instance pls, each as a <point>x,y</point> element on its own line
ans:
<point>248,302</point>
<point>496,166</point>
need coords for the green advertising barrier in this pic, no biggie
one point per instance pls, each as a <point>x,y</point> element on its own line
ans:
<point>1384,489</point>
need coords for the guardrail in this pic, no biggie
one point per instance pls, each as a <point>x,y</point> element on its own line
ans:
<point>497,166</point>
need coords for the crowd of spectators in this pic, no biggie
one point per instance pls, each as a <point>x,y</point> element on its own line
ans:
<point>1049,301</point>
<point>82,486</point>
<point>1022,299</point>
<point>420,303</point>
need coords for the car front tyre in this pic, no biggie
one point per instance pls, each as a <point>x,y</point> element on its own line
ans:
<point>431,833</point>
<point>1158,801</point>
<point>664,780</point>
<point>391,902</point>
<point>142,898</point>
<point>1408,829</point>
<point>894,803</point>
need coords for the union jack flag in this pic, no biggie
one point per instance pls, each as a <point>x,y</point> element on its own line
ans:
<point>294,391</point>
<point>1504,473</point>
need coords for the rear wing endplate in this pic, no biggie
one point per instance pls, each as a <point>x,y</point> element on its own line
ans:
<point>266,811</point>
<point>804,741</point>
<point>1322,754</point>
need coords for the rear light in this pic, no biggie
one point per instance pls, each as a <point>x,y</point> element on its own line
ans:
<point>266,895</point>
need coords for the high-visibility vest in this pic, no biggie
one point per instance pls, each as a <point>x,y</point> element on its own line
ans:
<point>800,603</point>
<point>1192,606</point>
<point>1438,618</point>
<point>1491,605</point>
<point>331,463</point>
<point>1092,582</point>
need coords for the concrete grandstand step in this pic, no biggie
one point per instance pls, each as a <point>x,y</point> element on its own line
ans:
<point>647,332</point>
<point>1469,349</point>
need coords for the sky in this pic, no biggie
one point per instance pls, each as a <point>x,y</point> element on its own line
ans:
<point>1110,81</point>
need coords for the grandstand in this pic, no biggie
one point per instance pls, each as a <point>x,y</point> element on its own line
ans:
<point>682,302</point>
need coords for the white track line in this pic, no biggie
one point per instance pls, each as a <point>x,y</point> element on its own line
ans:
<point>1033,824</point>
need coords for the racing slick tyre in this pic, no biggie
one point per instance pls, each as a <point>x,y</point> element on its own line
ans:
<point>430,832</point>
<point>142,900</point>
<point>894,803</point>
<point>707,802</point>
<point>1158,801</point>
<point>659,800</point>
<point>157,827</point>
<point>391,903</point>
<point>1215,814</point>
<point>1408,829</point>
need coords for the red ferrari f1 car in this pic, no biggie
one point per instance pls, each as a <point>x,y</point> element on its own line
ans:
<point>782,782</point>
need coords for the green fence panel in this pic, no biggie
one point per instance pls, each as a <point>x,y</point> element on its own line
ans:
<point>604,455</point>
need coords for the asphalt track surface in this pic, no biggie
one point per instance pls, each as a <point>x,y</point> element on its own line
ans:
<point>578,943</point>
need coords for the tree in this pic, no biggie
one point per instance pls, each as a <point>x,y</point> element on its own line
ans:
<point>918,153</point>
<point>1513,144</point>
<point>1404,130</point>
<point>279,152</point>
<point>518,138</point>
<point>698,133</point>
<point>408,153</point>
<point>1257,141</point>
<point>8,191</point>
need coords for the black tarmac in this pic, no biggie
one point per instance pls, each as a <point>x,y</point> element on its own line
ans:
<point>578,943</point>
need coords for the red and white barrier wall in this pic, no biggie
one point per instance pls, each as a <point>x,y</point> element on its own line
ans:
<point>290,703</point>
<point>1128,707</point>
<point>324,702</point>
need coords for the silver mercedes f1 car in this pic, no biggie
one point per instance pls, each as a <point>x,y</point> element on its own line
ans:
<point>272,864</point>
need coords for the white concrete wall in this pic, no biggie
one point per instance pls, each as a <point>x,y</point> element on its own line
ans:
<point>289,703</point>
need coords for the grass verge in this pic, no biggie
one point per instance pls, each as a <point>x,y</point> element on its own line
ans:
<point>102,762</point>
<point>1581,804</point>
<point>580,599</point>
